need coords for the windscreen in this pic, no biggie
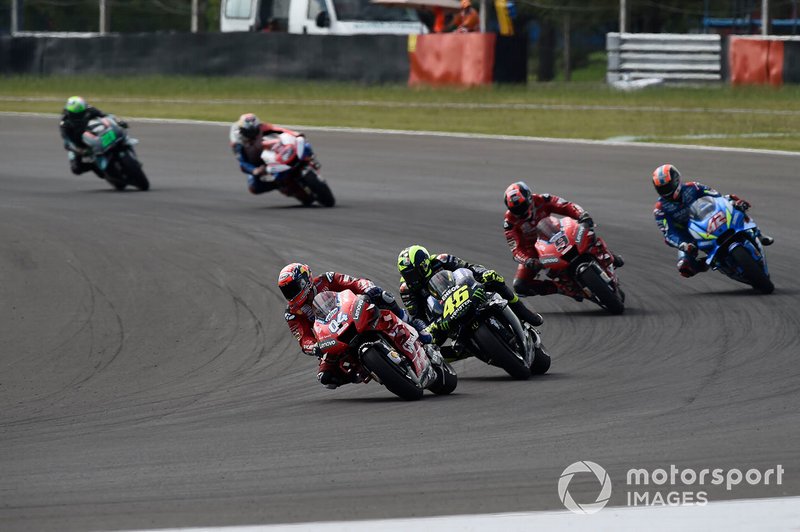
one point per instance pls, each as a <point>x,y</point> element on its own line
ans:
<point>324,303</point>
<point>548,227</point>
<point>703,208</point>
<point>441,282</point>
<point>363,10</point>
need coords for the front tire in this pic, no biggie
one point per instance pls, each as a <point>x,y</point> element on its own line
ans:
<point>320,189</point>
<point>608,298</point>
<point>500,354</point>
<point>132,170</point>
<point>752,271</point>
<point>446,380</point>
<point>391,375</point>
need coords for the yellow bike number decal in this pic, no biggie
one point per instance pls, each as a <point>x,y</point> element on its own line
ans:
<point>456,299</point>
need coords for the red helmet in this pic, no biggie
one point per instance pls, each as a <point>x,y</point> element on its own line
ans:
<point>518,198</point>
<point>297,285</point>
<point>667,181</point>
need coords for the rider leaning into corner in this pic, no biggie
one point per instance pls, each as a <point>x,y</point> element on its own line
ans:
<point>672,215</point>
<point>299,286</point>
<point>525,211</point>
<point>416,267</point>
<point>74,120</point>
<point>246,139</point>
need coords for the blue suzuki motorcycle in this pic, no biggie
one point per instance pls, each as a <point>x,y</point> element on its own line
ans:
<point>729,237</point>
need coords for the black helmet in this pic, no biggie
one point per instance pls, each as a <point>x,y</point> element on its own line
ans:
<point>249,126</point>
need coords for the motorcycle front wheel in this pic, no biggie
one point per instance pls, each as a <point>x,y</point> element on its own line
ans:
<point>378,360</point>
<point>752,270</point>
<point>500,354</point>
<point>320,189</point>
<point>608,298</point>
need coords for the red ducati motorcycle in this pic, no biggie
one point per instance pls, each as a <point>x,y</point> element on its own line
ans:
<point>363,340</point>
<point>568,253</point>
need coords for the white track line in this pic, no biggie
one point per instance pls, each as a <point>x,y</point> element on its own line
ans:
<point>764,515</point>
<point>420,105</point>
<point>480,136</point>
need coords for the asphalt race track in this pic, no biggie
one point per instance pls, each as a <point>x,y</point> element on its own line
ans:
<point>147,377</point>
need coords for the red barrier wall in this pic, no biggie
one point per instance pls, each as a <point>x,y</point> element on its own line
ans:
<point>748,60</point>
<point>464,59</point>
<point>755,61</point>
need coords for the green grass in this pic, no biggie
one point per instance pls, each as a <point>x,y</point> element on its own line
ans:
<point>664,114</point>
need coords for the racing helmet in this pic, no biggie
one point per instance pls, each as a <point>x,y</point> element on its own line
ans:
<point>667,180</point>
<point>75,107</point>
<point>518,198</point>
<point>297,285</point>
<point>249,126</point>
<point>414,264</point>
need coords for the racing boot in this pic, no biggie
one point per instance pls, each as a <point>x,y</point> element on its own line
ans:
<point>524,314</point>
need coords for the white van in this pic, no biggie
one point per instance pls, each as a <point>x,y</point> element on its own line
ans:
<point>325,17</point>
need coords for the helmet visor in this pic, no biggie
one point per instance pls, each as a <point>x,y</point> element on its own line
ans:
<point>292,289</point>
<point>520,209</point>
<point>249,132</point>
<point>668,189</point>
<point>414,277</point>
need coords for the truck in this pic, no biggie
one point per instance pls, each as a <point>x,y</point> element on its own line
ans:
<point>320,17</point>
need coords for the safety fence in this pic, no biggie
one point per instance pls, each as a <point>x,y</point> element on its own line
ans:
<point>666,56</point>
<point>364,58</point>
<point>460,59</point>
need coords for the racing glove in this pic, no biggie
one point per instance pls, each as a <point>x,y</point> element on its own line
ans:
<point>315,351</point>
<point>260,170</point>
<point>480,294</point>
<point>491,276</point>
<point>586,219</point>
<point>688,248</point>
<point>739,203</point>
<point>532,264</point>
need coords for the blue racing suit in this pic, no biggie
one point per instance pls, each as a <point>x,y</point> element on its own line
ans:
<point>248,155</point>
<point>672,218</point>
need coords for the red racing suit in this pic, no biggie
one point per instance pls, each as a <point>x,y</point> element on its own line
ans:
<point>301,322</point>
<point>522,234</point>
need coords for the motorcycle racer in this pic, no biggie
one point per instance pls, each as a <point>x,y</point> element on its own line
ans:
<point>417,266</point>
<point>525,211</point>
<point>672,210</point>
<point>299,286</point>
<point>74,119</point>
<point>247,142</point>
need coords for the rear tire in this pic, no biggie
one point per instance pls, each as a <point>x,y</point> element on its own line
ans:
<point>752,270</point>
<point>610,300</point>
<point>391,375</point>
<point>500,355</point>
<point>446,380</point>
<point>320,189</point>
<point>132,169</point>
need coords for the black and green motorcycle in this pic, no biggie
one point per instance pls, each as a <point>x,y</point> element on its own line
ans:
<point>479,323</point>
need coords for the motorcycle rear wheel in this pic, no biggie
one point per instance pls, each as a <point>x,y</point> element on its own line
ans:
<point>392,376</point>
<point>500,354</point>
<point>752,271</point>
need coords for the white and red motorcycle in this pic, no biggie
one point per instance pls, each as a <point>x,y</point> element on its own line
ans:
<point>291,162</point>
